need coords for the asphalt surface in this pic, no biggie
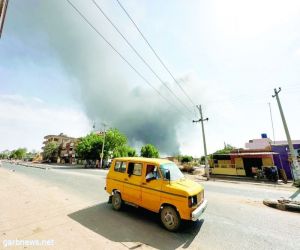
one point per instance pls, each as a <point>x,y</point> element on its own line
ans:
<point>235,218</point>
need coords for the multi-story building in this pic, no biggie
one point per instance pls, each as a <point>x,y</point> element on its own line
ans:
<point>67,147</point>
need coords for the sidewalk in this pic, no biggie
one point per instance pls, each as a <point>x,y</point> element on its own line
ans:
<point>242,180</point>
<point>32,210</point>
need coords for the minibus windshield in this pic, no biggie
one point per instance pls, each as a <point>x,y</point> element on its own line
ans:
<point>175,173</point>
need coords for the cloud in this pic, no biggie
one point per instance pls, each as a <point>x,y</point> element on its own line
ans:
<point>230,48</point>
<point>25,121</point>
<point>109,89</point>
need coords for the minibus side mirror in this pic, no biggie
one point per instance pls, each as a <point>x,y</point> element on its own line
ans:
<point>168,175</point>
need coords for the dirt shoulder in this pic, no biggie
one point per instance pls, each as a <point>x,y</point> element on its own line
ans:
<point>33,210</point>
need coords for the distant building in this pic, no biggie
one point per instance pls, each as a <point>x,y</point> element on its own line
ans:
<point>262,143</point>
<point>281,158</point>
<point>259,153</point>
<point>241,162</point>
<point>67,147</point>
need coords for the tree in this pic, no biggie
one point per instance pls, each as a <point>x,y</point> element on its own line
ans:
<point>31,155</point>
<point>226,150</point>
<point>149,151</point>
<point>4,155</point>
<point>186,158</point>
<point>131,152</point>
<point>90,146</point>
<point>115,142</point>
<point>51,151</point>
<point>19,153</point>
<point>202,159</point>
<point>124,151</point>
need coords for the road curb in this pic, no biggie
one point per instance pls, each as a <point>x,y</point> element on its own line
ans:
<point>284,205</point>
<point>34,166</point>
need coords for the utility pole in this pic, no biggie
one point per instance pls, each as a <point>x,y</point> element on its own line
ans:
<point>3,10</point>
<point>295,164</point>
<point>204,141</point>
<point>102,151</point>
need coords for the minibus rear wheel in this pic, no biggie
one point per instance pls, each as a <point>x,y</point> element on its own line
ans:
<point>117,201</point>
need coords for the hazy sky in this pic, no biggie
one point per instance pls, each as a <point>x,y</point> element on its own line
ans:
<point>57,75</point>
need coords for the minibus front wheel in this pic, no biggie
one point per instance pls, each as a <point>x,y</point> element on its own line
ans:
<point>170,218</point>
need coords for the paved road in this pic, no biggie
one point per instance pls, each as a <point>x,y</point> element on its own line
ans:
<point>234,219</point>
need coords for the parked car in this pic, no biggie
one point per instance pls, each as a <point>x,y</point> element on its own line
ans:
<point>157,185</point>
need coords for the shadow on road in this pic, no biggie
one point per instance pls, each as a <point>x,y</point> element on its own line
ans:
<point>135,225</point>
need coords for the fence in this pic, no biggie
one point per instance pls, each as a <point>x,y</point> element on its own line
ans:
<point>228,169</point>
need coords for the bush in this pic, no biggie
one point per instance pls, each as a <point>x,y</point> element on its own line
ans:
<point>186,159</point>
<point>188,167</point>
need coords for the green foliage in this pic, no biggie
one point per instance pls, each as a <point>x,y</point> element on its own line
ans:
<point>50,151</point>
<point>131,152</point>
<point>114,138</point>
<point>31,155</point>
<point>19,153</point>
<point>124,151</point>
<point>202,160</point>
<point>186,158</point>
<point>89,147</point>
<point>226,150</point>
<point>149,151</point>
<point>4,155</point>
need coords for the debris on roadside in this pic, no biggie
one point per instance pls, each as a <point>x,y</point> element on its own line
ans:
<point>283,204</point>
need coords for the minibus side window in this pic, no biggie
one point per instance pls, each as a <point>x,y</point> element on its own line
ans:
<point>117,166</point>
<point>120,166</point>
<point>123,167</point>
<point>135,168</point>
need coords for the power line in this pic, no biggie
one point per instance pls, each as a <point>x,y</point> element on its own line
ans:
<point>138,54</point>
<point>155,53</point>
<point>119,54</point>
